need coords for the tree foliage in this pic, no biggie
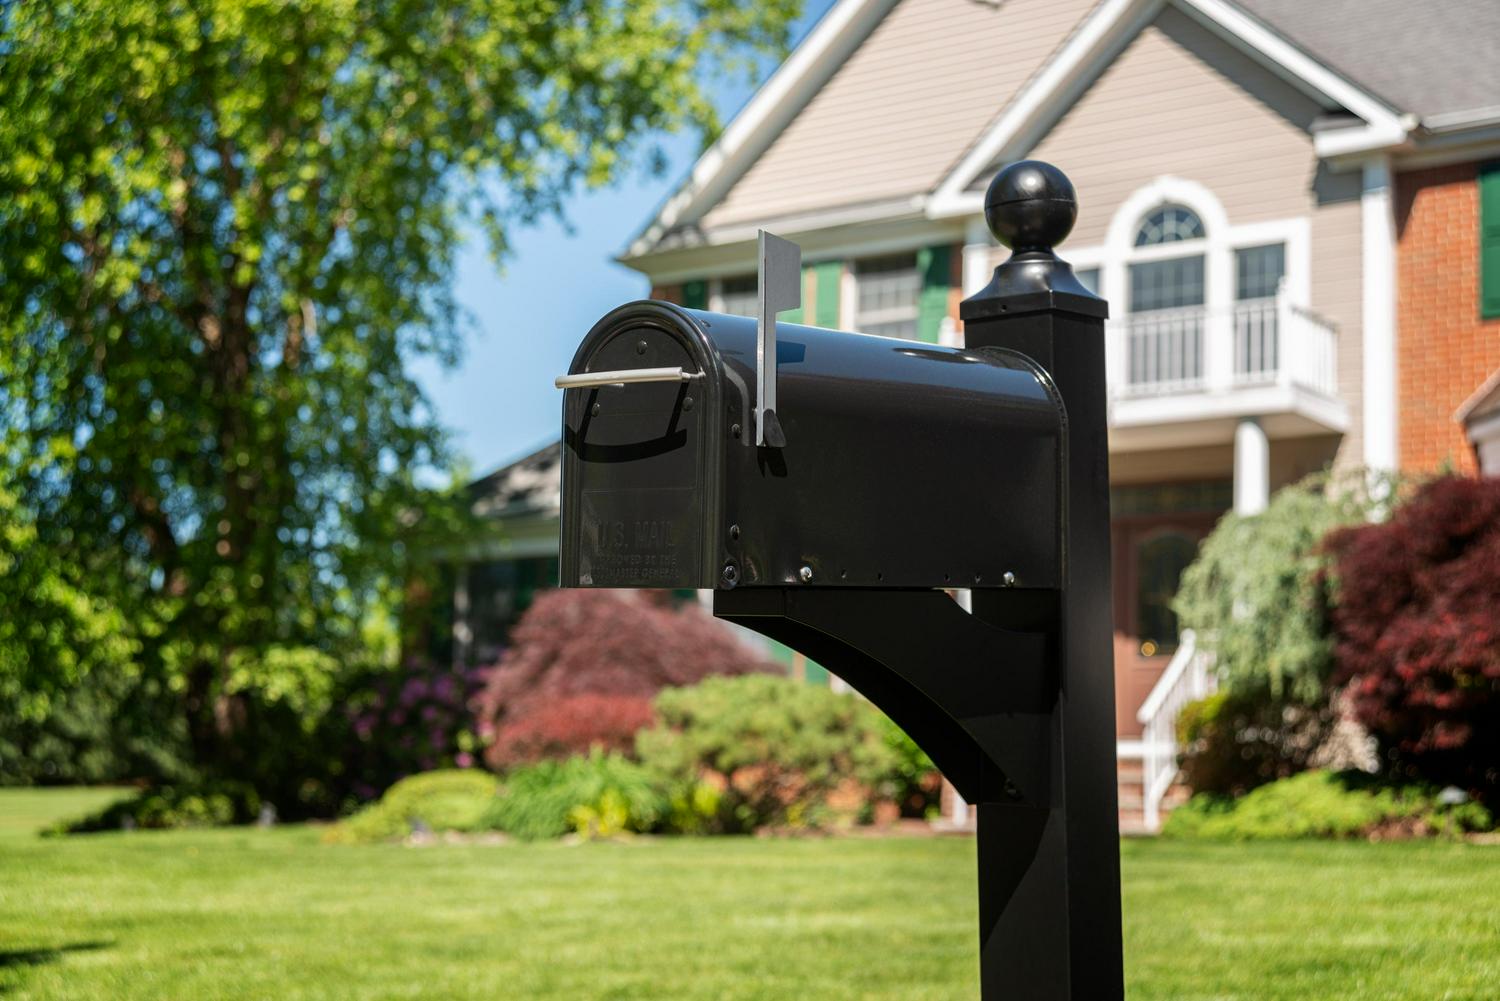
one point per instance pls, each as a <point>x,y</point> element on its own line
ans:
<point>1254,594</point>
<point>583,667</point>
<point>1418,634</point>
<point>227,227</point>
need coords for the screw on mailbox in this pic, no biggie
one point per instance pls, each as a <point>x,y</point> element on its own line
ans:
<point>851,435</point>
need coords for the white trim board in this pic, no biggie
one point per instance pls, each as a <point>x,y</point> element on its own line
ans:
<point>1106,32</point>
<point>834,243</point>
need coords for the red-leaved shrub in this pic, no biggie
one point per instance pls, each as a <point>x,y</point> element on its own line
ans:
<point>557,728</point>
<point>584,665</point>
<point>1417,632</point>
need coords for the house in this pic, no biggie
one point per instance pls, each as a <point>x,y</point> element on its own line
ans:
<point>499,571</point>
<point>1480,417</point>
<point>1286,203</point>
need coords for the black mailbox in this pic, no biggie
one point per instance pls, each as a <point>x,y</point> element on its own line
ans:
<point>900,458</point>
<point>833,488</point>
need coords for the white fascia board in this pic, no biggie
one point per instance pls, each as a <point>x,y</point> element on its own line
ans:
<point>777,101</point>
<point>1241,27</point>
<point>1359,141</point>
<point>882,211</point>
<point>887,235</point>
<point>1479,401</point>
<point>1099,40</point>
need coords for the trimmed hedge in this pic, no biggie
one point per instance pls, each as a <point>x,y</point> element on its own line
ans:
<point>212,804</point>
<point>455,799</point>
<point>1321,804</point>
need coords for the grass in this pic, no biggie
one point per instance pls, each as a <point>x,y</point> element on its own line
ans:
<point>274,914</point>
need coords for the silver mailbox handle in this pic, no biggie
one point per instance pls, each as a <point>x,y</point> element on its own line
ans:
<point>621,376</point>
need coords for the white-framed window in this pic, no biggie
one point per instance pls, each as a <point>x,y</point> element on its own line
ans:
<point>1258,274</point>
<point>886,293</point>
<point>1169,224</point>
<point>1258,271</point>
<point>737,295</point>
<point>1166,271</point>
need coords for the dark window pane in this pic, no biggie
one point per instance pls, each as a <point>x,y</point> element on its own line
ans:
<point>738,295</point>
<point>1166,284</point>
<point>1169,224</point>
<point>1259,271</point>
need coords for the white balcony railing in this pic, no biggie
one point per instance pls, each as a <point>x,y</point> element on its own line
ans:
<point>1192,349</point>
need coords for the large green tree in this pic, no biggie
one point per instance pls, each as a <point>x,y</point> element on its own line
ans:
<point>227,228</point>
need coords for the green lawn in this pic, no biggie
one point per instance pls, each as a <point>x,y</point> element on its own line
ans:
<point>275,914</point>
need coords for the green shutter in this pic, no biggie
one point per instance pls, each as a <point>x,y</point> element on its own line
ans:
<point>828,275</point>
<point>695,294</point>
<point>933,264</point>
<point>1489,241</point>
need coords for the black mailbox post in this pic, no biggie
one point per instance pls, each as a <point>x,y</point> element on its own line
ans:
<point>899,470</point>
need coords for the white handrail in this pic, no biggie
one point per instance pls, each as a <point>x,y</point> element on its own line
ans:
<point>1187,678</point>
<point>1187,646</point>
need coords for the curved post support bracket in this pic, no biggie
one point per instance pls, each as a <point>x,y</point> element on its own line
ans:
<point>913,654</point>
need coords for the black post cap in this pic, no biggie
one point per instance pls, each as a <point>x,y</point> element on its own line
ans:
<point>1030,207</point>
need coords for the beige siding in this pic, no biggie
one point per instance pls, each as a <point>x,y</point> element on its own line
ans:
<point>904,108</point>
<point>1337,265</point>
<point>1180,101</point>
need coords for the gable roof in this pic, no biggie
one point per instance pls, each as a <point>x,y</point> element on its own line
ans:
<point>881,97</point>
<point>1436,59</point>
<point>528,486</point>
<point>1482,402</point>
<point>1112,26</point>
<point>899,105</point>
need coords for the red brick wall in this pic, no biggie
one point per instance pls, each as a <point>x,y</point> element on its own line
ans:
<point>667,293</point>
<point>1444,350</point>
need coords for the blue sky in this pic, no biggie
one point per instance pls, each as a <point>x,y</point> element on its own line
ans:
<point>499,401</point>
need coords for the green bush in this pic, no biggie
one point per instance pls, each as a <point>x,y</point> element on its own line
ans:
<point>915,784</point>
<point>776,752</point>
<point>1257,598</point>
<point>602,794</point>
<point>211,804</point>
<point>1255,593</point>
<point>1320,804</point>
<point>455,799</point>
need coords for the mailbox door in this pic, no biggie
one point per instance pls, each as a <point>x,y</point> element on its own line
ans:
<point>642,462</point>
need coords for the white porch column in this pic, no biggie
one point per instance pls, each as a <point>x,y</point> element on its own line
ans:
<point>978,250</point>
<point>1252,467</point>
<point>1378,226</point>
<point>463,635</point>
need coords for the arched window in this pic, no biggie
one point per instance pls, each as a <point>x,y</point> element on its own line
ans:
<point>1169,224</point>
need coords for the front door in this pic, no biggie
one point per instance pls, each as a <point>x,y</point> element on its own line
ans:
<point>1150,553</point>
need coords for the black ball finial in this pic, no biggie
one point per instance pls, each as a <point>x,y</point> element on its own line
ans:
<point>1030,206</point>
